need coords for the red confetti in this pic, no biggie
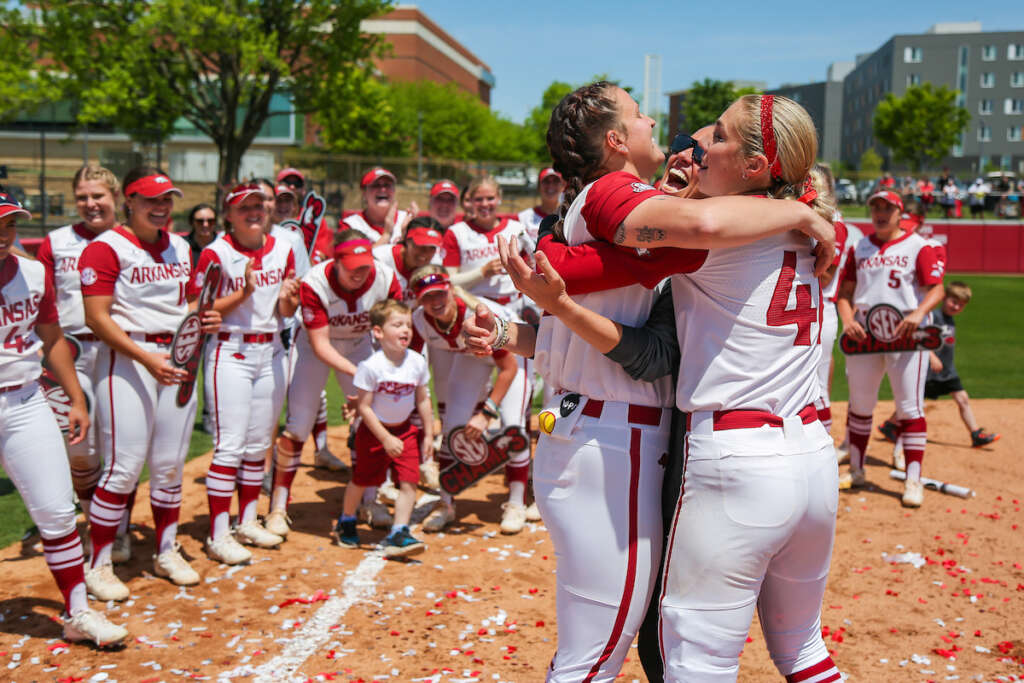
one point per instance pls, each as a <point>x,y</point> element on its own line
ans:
<point>395,633</point>
<point>533,591</point>
<point>978,633</point>
<point>318,596</point>
<point>539,624</point>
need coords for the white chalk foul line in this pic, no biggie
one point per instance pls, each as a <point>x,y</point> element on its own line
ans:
<point>358,586</point>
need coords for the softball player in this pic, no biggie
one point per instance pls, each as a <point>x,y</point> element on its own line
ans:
<point>461,385</point>
<point>550,186</point>
<point>336,297</point>
<point>419,248</point>
<point>380,220</point>
<point>31,447</point>
<point>901,271</point>
<point>134,281</point>
<point>444,203</point>
<point>245,371</point>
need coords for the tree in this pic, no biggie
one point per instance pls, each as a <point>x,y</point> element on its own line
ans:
<point>536,123</point>
<point>705,101</point>
<point>143,64</point>
<point>922,125</point>
<point>871,162</point>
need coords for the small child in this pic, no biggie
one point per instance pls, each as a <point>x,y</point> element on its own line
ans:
<point>942,376</point>
<point>391,383</point>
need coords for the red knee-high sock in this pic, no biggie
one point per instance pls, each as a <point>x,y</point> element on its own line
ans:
<point>859,427</point>
<point>166,505</point>
<point>104,517</point>
<point>220,486</point>
<point>250,481</point>
<point>64,558</point>
<point>517,472</point>
<point>915,434</point>
<point>822,672</point>
<point>285,464</point>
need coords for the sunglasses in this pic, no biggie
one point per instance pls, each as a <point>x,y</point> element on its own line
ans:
<point>683,142</point>
<point>429,280</point>
<point>204,221</point>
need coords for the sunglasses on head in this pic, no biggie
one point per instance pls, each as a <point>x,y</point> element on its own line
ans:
<point>683,142</point>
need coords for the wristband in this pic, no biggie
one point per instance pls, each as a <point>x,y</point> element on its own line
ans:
<point>490,408</point>
<point>503,329</point>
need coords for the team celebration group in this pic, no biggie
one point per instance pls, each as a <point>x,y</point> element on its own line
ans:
<point>682,333</point>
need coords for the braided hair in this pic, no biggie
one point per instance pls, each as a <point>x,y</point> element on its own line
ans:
<point>575,139</point>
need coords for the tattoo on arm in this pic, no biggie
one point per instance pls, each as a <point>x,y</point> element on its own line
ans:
<point>620,234</point>
<point>649,234</point>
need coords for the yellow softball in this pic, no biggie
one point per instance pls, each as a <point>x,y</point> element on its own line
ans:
<point>546,420</point>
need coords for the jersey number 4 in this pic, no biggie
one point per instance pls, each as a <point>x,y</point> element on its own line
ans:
<point>15,341</point>
<point>804,314</point>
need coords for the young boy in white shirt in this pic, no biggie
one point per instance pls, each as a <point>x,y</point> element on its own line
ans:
<point>391,383</point>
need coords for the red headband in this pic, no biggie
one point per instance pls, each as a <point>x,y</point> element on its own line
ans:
<point>768,136</point>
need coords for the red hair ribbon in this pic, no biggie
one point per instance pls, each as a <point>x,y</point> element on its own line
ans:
<point>809,193</point>
<point>768,136</point>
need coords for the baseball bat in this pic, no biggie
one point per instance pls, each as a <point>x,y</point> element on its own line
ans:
<point>936,485</point>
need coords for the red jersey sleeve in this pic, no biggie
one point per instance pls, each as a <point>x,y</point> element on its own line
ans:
<point>314,314</point>
<point>849,273</point>
<point>395,289</point>
<point>45,256</point>
<point>452,253</point>
<point>98,269</point>
<point>611,199</point>
<point>48,304</point>
<point>929,267</point>
<point>206,257</point>
<point>841,234</point>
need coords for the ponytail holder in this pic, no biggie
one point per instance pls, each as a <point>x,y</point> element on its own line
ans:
<point>809,193</point>
<point>768,136</point>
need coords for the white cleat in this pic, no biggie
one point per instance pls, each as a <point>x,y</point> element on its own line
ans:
<point>375,515</point>
<point>324,459</point>
<point>227,550</point>
<point>277,522</point>
<point>88,624</point>
<point>513,519</point>
<point>103,584</point>
<point>533,512</point>
<point>171,565</point>
<point>913,493</point>
<point>387,493</point>
<point>430,475</point>
<point>440,517</point>
<point>253,533</point>
<point>854,479</point>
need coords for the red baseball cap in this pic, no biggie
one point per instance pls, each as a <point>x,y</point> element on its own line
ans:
<point>375,173</point>
<point>544,173</point>
<point>430,283</point>
<point>887,196</point>
<point>151,186</point>
<point>289,172</point>
<point>354,253</point>
<point>284,189</point>
<point>443,186</point>
<point>239,192</point>
<point>11,206</point>
<point>423,236</point>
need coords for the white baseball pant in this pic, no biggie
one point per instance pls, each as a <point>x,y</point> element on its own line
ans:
<point>84,456</point>
<point>829,329</point>
<point>907,372</point>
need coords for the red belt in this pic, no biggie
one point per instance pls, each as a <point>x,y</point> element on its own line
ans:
<point>254,338</point>
<point>86,336</point>
<point>13,387</point>
<point>752,419</point>
<point>504,300</point>
<point>641,415</point>
<point>154,337</point>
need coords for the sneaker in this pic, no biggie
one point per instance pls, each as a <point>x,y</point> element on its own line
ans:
<point>171,565</point>
<point>253,533</point>
<point>103,584</point>
<point>227,550</point>
<point>513,519</point>
<point>440,517</point>
<point>890,431</point>
<point>980,438</point>
<point>430,475</point>
<point>375,515</point>
<point>533,512</point>
<point>913,493</point>
<point>387,493</point>
<point>402,544</point>
<point>121,549</point>
<point>854,479</point>
<point>277,522</point>
<point>899,460</point>
<point>88,624</point>
<point>345,533</point>
<point>324,459</point>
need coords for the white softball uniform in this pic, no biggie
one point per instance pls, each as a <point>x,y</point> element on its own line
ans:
<point>347,317</point>
<point>393,386</point>
<point>756,521</point>
<point>359,221</point>
<point>468,247</point>
<point>531,218</point>
<point>391,256</point>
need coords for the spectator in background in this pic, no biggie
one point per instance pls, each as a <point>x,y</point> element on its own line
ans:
<point>944,178</point>
<point>927,192</point>
<point>887,182</point>
<point>202,221</point>
<point>949,194</point>
<point>976,196</point>
<point>286,202</point>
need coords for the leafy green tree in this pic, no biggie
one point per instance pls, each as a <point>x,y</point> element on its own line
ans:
<point>142,65</point>
<point>536,123</point>
<point>705,101</point>
<point>871,163</point>
<point>920,126</point>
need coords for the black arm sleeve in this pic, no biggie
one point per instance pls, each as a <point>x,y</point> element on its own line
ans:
<point>650,352</point>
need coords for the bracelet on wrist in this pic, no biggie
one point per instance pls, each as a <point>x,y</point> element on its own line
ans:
<point>503,333</point>
<point>490,408</point>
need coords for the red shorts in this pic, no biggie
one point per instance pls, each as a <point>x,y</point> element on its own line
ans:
<point>372,462</point>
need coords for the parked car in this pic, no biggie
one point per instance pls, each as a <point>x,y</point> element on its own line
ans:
<point>846,191</point>
<point>514,180</point>
<point>864,189</point>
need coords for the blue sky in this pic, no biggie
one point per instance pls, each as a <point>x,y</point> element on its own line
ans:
<point>529,43</point>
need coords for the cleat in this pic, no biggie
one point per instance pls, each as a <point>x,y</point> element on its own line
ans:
<point>375,515</point>
<point>843,453</point>
<point>913,493</point>
<point>326,460</point>
<point>345,534</point>
<point>980,438</point>
<point>890,431</point>
<point>854,479</point>
<point>402,544</point>
<point>121,549</point>
<point>387,493</point>
<point>440,517</point>
<point>103,584</point>
<point>171,565</point>
<point>277,522</point>
<point>899,460</point>
<point>430,475</point>
<point>532,512</point>
<point>513,519</point>
<point>88,624</point>
<point>227,550</point>
<point>253,533</point>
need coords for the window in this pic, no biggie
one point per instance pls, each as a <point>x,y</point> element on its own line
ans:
<point>1015,51</point>
<point>988,53</point>
<point>1017,79</point>
<point>1013,106</point>
<point>913,79</point>
<point>1013,134</point>
<point>984,133</point>
<point>911,55</point>
<point>985,107</point>
<point>988,80</point>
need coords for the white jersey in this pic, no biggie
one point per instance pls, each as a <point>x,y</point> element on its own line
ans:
<point>748,323</point>
<point>294,238</point>
<point>147,281</point>
<point>393,386</point>
<point>452,339</point>
<point>566,361</point>
<point>59,253</point>
<point>467,247</point>
<point>347,314</point>
<point>358,221</point>
<point>258,312</point>
<point>531,218</point>
<point>391,256</point>
<point>26,298</point>
<point>898,273</point>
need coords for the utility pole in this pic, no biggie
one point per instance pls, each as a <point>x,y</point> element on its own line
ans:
<point>651,100</point>
<point>419,147</point>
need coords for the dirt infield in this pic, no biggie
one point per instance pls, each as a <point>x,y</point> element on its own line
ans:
<point>479,606</point>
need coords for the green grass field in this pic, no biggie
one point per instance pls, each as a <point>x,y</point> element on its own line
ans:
<point>990,359</point>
